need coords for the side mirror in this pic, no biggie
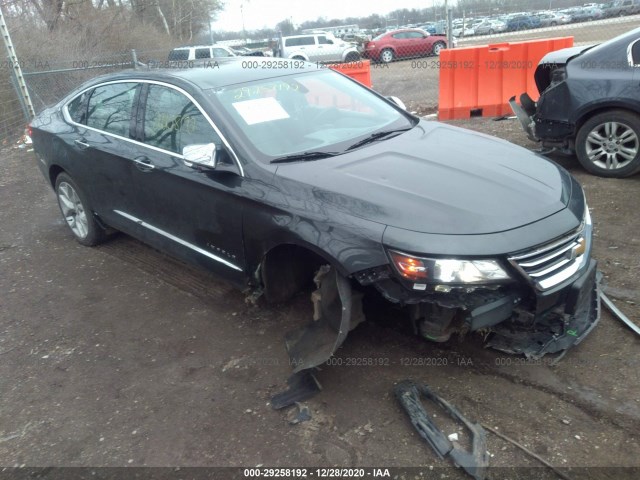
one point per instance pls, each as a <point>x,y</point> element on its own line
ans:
<point>200,155</point>
<point>397,101</point>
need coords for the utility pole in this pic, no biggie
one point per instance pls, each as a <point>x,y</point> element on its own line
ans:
<point>16,70</point>
<point>210,31</point>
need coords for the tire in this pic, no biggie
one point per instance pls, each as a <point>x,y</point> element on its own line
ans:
<point>386,55</point>
<point>553,24</point>
<point>438,47</point>
<point>352,57</point>
<point>298,57</point>
<point>608,144</point>
<point>491,31</point>
<point>77,213</point>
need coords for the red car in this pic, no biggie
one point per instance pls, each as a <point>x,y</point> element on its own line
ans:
<point>404,43</point>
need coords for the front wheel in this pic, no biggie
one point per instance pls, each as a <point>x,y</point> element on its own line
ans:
<point>352,57</point>
<point>438,47</point>
<point>76,212</point>
<point>608,144</point>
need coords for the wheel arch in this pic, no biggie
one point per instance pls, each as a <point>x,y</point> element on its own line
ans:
<point>595,109</point>
<point>299,54</point>
<point>54,171</point>
<point>287,267</point>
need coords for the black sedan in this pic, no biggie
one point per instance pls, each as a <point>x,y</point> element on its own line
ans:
<point>276,177</point>
<point>589,105</point>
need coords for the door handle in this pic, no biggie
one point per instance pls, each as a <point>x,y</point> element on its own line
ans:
<point>144,164</point>
<point>81,144</point>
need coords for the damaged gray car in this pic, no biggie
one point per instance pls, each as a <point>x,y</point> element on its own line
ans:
<point>589,105</point>
<point>278,178</point>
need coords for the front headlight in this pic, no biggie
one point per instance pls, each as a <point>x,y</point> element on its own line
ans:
<point>447,270</point>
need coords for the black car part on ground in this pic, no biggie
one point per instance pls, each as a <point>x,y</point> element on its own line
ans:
<point>618,313</point>
<point>473,462</point>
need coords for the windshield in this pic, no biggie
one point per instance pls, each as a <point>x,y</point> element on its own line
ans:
<point>320,111</point>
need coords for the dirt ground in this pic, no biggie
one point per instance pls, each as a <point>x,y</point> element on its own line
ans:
<point>121,356</point>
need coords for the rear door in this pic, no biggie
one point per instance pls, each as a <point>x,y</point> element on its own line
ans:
<point>189,212</point>
<point>101,144</point>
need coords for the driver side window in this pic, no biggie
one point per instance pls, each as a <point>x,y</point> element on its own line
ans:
<point>172,121</point>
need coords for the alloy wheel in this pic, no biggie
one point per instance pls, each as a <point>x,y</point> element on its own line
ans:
<point>73,210</point>
<point>612,145</point>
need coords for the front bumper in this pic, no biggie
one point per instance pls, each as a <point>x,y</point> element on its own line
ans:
<point>520,318</point>
<point>566,324</point>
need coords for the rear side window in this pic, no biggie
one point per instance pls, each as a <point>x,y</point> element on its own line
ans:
<point>176,55</point>
<point>322,40</point>
<point>77,108</point>
<point>172,121</point>
<point>110,108</point>
<point>299,41</point>
<point>203,53</point>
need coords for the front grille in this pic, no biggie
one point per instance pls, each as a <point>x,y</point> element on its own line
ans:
<point>549,265</point>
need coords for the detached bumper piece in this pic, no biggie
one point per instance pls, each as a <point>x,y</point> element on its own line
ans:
<point>557,330</point>
<point>525,112</point>
<point>337,311</point>
<point>474,462</point>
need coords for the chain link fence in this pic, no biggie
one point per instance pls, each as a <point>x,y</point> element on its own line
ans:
<point>411,72</point>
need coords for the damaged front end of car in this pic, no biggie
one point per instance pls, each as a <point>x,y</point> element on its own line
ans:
<point>533,302</point>
<point>538,301</point>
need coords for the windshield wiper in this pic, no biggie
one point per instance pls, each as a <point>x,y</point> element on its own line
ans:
<point>304,156</point>
<point>377,136</point>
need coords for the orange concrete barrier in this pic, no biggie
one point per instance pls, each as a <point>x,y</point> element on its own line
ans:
<point>359,70</point>
<point>479,80</point>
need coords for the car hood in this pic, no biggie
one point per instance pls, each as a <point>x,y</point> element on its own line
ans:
<point>435,178</point>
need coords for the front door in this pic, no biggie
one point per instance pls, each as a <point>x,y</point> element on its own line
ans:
<point>194,213</point>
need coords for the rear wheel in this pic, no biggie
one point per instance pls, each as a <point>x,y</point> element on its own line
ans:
<point>386,56</point>
<point>608,144</point>
<point>76,212</point>
<point>438,47</point>
<point>298,57</point>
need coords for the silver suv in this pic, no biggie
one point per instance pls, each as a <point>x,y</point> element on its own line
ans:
<point>318,47</point>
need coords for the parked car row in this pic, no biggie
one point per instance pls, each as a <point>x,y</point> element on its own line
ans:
<point>547,18</point>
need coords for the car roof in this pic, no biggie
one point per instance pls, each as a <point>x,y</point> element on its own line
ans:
<point>209,74</point>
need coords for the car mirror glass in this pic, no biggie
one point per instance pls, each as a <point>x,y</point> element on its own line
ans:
<point>201,155</point>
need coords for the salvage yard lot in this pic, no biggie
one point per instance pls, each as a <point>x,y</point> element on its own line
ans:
<point>121,356</point>
<point>416,81</point>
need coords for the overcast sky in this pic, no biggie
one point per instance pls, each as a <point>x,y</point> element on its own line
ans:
<point>266,13</point>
